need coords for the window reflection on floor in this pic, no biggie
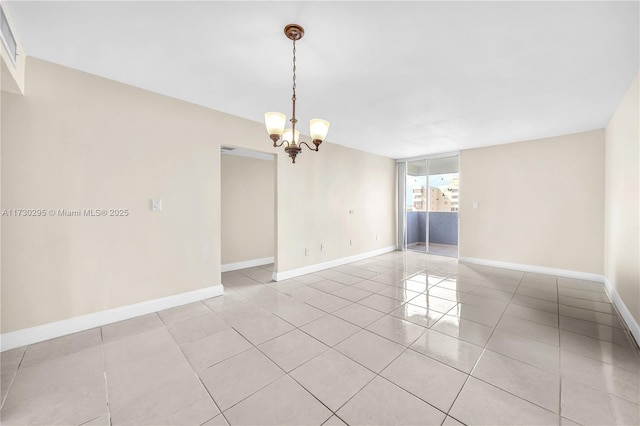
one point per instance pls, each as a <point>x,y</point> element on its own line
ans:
<point>436,249</point>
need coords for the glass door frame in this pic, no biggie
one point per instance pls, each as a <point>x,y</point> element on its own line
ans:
<point>402,167</point>
<point>423,165</point>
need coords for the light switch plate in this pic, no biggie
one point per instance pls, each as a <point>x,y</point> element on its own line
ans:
<point>156,204</point>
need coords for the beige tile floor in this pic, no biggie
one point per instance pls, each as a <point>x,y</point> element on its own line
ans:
<point>437,249</point>
<point>402,338</point>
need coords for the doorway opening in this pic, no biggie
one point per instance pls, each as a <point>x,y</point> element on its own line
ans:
<point>247,209</point>
<point>430,211</point>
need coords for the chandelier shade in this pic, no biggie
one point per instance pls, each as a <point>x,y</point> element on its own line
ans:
<point>318,129</point>
<point>276,121</point>
<point>286,136</point>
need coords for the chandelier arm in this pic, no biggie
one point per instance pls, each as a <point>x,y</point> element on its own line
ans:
<point>307,145</point>
<point>278,145</point>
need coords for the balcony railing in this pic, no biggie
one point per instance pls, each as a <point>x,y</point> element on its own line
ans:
<point>443,227</point>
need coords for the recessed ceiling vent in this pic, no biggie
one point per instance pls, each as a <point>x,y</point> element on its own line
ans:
<point>226,148</point>
<point>8,39</point>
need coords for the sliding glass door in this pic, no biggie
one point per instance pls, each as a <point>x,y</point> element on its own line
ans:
<point>431,204</point>
<point>443,206</point>
<point>416,206</point>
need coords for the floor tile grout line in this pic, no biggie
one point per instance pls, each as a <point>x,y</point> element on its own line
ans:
<point>221,413</point>
<point>253,393</point>
<point>609,301</point>
<point>324,343</point>
<point>517,396</point>
<point>466,319</point>
<point>592,387</point>
<point>597,388</point>
<point>106,380</point>
<point>408,347</point>
<point>561,378</point>
<point>333,413</point>
<point>585,309</point>
<point>90,420</point>
<point>605,342</point>
<point>13,377</point>
<point>316,356</point>
<point>186,358</point>
<point>524,362</point>
<point>363,328</point>
<point>593,322</point>
<point>499,319</point>
<point>570,331</point>
<point>106,389</point>
<point>484,348</point>
<point>376,374</point>
<point>560,396</point>
<point>635,345</point>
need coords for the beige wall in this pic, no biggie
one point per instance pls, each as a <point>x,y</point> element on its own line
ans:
<point>248,208</point>
<point>76,141</point>
<point>622,188</point>
<point>315,198</point>
<point>80,141</point>
<point>541,202</point>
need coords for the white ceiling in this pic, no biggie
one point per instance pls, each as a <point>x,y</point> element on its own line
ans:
<point>399,79</point>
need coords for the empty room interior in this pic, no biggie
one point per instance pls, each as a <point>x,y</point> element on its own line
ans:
<point>320,213</point>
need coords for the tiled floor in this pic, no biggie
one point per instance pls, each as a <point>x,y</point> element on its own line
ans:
<point>437,249</point>
<point>402,338</point>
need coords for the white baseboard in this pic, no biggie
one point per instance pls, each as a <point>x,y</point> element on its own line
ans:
<point>631,322</point>
<point>246,264</point>
<point>28,336</point>
<point>279,276</point>
<point>533,268</point>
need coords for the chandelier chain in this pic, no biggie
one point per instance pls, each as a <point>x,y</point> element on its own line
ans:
<point>276,121</point>
<point>294,120</point>
<point>294,68</point>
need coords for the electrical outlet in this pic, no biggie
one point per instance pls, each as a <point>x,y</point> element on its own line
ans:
<point>307,251</point>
